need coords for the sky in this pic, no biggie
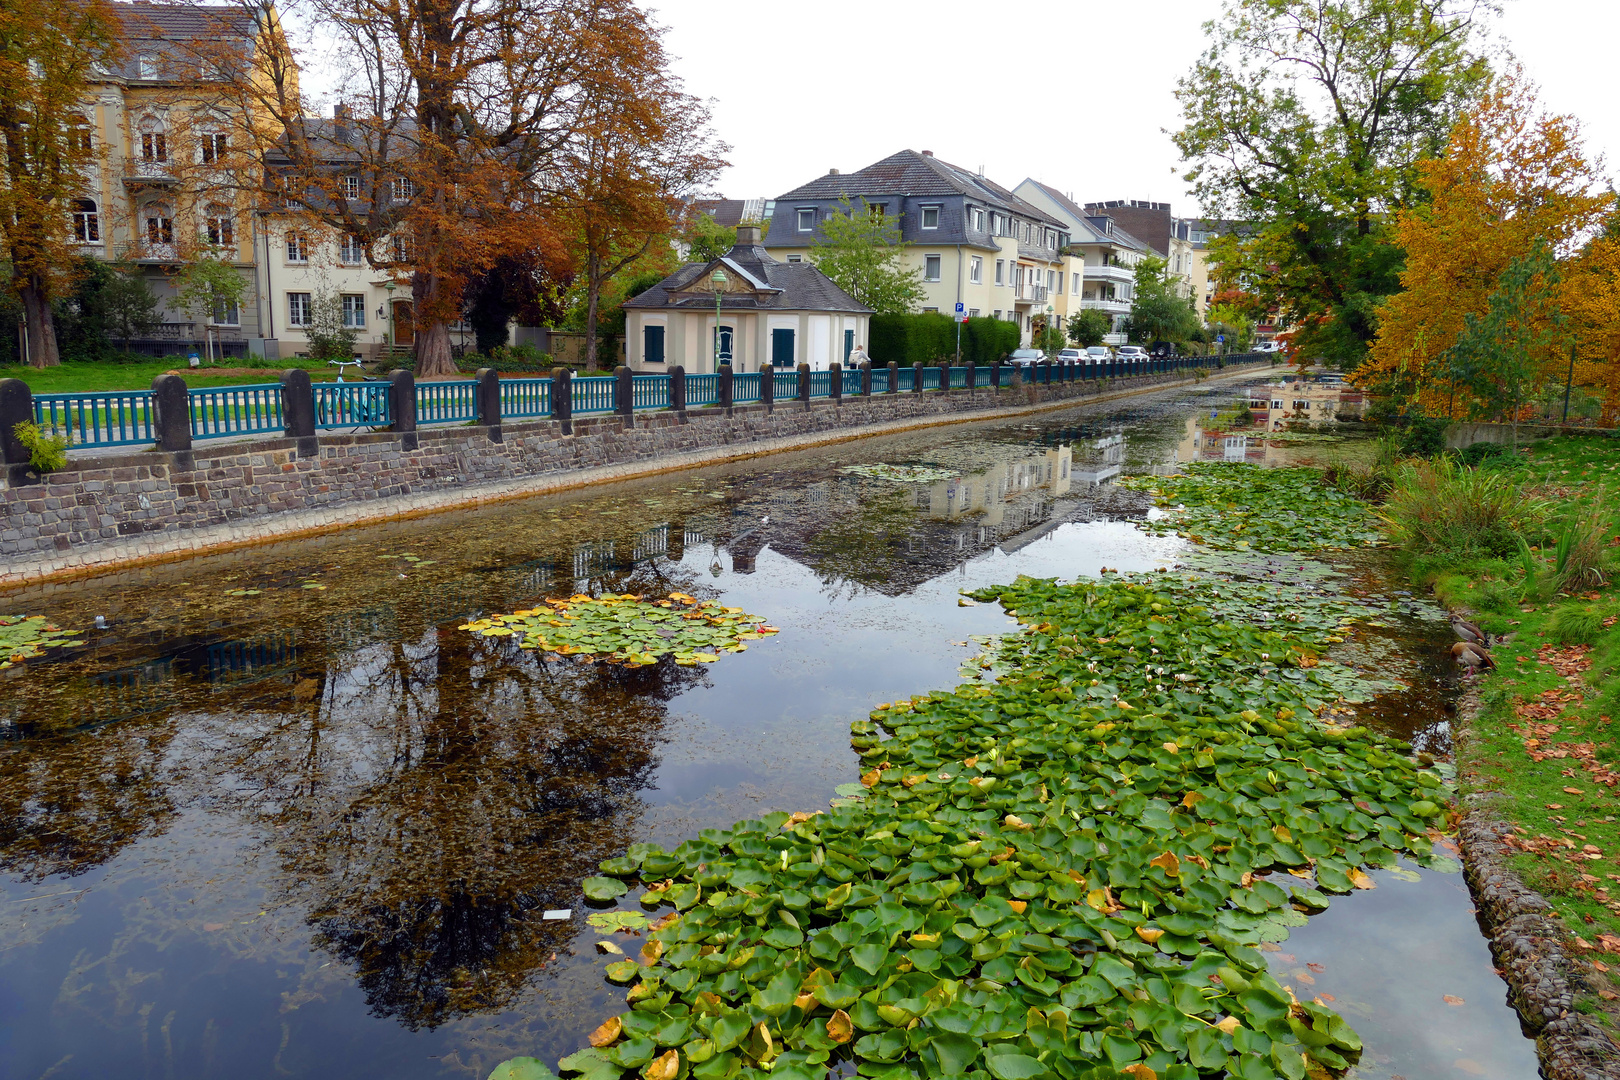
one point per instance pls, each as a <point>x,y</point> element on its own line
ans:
<point>1079,96</point>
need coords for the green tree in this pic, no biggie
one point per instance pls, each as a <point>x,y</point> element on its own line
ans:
<point>206,288</point>
<point>862,253</point>
<point>1089,328</point>
<point>1160,310</point>
<point>708,240</point>
<point>1306,120</point>
<point>1501,356</point>
<point>128,305</point>
<point>329,338</point>
<point>109,302</point>
<point>1230,321</point>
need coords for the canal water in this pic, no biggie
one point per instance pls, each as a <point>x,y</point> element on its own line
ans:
<point>281,818</point>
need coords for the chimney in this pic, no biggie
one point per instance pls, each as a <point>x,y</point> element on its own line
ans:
<point>748,236</point>
<point>340,121</point>
<point>832,172</point>
<point>927,153</point>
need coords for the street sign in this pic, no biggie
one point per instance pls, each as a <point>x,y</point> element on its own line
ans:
<point>960,309</point>
<point>1220,339</point>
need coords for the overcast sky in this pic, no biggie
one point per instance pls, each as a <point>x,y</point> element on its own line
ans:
<point>1076,95</point>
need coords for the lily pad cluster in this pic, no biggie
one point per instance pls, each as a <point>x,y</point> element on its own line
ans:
<point>1062,874</point>
<point>629,630</point>
<point>25,636</point>
<point>902,474</point>
<point>1238,506</point>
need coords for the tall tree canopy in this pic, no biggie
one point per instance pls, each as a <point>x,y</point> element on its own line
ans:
<point>1160,308</point>
<point>1306,120</point>
<point>48,51</point>
<point>1512,180</point>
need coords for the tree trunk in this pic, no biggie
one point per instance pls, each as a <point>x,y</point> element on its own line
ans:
<point>39,325</point>
<point>431,338</point>
<point>593,298</point>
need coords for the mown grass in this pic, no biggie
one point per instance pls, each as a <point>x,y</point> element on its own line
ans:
<point>73,378</point>
<point>1545,735</point>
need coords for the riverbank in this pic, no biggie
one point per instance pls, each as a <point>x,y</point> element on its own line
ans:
<point>1535,748</point>
<point>108,513</point>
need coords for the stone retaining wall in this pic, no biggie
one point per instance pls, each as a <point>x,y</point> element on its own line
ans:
<point>53,525</point>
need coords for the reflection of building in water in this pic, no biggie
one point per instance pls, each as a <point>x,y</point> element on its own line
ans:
<point>1200,443</point>
<point>1100,460</point>
<point>1276,405</point>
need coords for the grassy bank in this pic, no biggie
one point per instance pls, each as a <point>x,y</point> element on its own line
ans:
<point>83,378</point>
<point>1545,739</point>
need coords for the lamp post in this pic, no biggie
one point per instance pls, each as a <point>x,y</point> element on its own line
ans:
<point>1048,325</point>
<point>389,305</point>
<point>718,280</point>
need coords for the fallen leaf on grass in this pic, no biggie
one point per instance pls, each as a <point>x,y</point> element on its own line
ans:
<point>1573,791</point>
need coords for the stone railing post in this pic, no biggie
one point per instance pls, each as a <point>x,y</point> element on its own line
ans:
<point>677,391</point>
<point>487,397</point>
<point>995,375</point>
<point>725,388</point>
<point>835,383</point>
<point>298,410</point>
<point>767,387</point>
<point>16,407</point>
<point>562,398</point>
<point>624,394</point>
<point>894,378</point>
<point>866,378</point>
<point>171,409</point>
<point>972,377</point>
<point>804,384</point>
<point>917,370</point>
<point>945,376</point>
<point>402,407</point>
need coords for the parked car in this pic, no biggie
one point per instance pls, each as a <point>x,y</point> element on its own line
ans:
<point>1132,352</point>
<point>1025,357</point>
<point>1099,354</point>
<point>1070,355</point>
<point>1267,346</point>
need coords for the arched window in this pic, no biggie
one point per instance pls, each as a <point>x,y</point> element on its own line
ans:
<point>86,222</point>
<point>218,226</point>
<point>158,220</point>
<point>154,140</point>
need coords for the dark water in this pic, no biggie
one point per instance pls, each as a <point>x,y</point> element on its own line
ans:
<point>311,832</point>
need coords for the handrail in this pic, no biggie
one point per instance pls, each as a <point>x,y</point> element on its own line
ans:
<point>108,418</point>
<point>220,411</point>
<point>449,402</point>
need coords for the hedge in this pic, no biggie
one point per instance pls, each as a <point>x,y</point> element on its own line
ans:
<point>930,337</point>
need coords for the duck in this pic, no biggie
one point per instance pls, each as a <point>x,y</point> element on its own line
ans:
<point>1469,632</point>
<point>1472,658</point>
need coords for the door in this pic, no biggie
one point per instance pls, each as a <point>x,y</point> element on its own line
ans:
<point>724,353</point>
<point>652,344</point>
<point>404,328</point>
<point>782,348</point>
<point>849,344</point>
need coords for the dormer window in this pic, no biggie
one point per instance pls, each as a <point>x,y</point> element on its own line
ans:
<point>976,218</point>
<point>807,219</point>
<point>930,217</point>
<point>349,186</point>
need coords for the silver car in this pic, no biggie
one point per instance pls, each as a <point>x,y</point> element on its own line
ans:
<point>1026,357</point>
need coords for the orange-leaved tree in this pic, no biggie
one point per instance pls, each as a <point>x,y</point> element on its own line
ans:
<point>1512,178</point>
<point>643,150</point>
<point>435,164</point>
<point>49,50</point>
<point>1591,300</point>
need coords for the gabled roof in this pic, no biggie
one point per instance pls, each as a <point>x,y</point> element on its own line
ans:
<point>1090,226</point>
<point>912,174</point>
<point>146,21</point>
<point>775,286</point>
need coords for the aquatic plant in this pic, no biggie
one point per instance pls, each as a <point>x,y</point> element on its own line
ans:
<point>1234,505</point>
<point>25,636</point>
<point>901,474</point>
<point>1064,874</point>
<point>629,630</point>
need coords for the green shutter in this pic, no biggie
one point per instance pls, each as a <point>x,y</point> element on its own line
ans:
<point>652,344</point>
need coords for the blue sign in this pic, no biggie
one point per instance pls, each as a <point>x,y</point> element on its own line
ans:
<point>1220,339</point>
<point>959,309</point>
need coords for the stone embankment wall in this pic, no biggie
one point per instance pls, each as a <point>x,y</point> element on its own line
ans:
<point>146,504</point>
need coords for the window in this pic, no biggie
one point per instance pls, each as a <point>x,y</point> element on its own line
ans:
<point>404,247</point>
<point>159,224</point>
<point>82,135</point>
<point>146,66</point>
<point>930,217</point>
<point>1051,240</point>
<point>931,311</point>
<point>213,147</point>
<point>1050,284</point>
<point>877,209</point>
<point>1001,271</point>
<point>154,141</point>
<point>1074,285</point>
<point>807,219</point>
<point>403,189</point>
<point>976,270</point>
<point>996,314</point>
<point>86,222</point>
<point>976,218</point>
<point>349,186</point>
<point>652,344</point>
<point>1058,291</point>
<point>297,248</point>
<point>796,258</point>
<point>226,313</point>
<point>218,227</point>
<point>995,224</point>
<point>931,267</point>
<point>351,250</point>
<point>1026,232</point>
<point>298,309</point>
<point>354,311</point>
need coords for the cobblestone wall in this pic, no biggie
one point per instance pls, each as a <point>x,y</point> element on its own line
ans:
<point>111,500</point>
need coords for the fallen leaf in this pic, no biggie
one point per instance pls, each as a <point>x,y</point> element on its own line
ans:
<point>1229,1024</point>
<point>608,1032</point>
<point>1318,968</point>
<point>839,1028</point>
<point>1018,906</point>
<point>665,1066</point>
<point>212,926</point>
<point>1451,999</point>
<point>609,947</point>
<point>1573,791</point>
<point>1140,1071</point>
<point>1608,995</point>
<point>1360,880</point>
<point>1167,862</point>
<point>1151,935</point>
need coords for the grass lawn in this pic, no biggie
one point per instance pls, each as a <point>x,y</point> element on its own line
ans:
<point>78,377</point>
<point>1547,736</point>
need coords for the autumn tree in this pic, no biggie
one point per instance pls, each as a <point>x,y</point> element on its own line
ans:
<point>641,149</point>
<point>48,51</point>
<point>1512,179</point>
<point>1307,120</point>
<point>456,115</point>
<point>1591,302</point>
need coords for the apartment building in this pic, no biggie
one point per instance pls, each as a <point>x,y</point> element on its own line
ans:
<point>974,242</point>
<point>1105,277</point>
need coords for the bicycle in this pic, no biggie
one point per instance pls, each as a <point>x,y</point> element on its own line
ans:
<point>363,407</point>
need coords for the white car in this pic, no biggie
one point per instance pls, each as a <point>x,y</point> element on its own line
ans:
<point>1132,352</point>
<point>1099,354</point>
<point>1268,346</point>
<point>1025,357</point>
<point>1070,355</point>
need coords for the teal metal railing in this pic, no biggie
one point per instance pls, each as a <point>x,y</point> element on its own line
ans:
<point>525,397</point>
<point>447,402</point>
<point>649,391</point>
<point>702,390</point>
<point>852,382</point>
<point>745,387</point>
<point>114,418</point>
<point>362,404</point>
<point>219,411</point>
<point>787,385</point>
<point>594,393</point>
<point>821,384</point>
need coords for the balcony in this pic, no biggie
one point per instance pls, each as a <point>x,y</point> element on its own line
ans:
<point>1111,306</point>
<point>1029,294</point>
<point>1111,272</point>
<point>137,171</point>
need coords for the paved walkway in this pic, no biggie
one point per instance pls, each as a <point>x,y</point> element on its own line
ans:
<point>173,546</point>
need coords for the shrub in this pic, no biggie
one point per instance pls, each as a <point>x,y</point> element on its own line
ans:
<point>1573,624</point>
<point>1578,556</point>
<point>508,358</point>
<point>1441,506</point>
<point>1370,482</point>
<point>1424,436</point>
<point>1482,451</point>
<point>46,452</point>
<point>930,337</point>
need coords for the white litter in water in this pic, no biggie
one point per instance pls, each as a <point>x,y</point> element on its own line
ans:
<point>559,913</point>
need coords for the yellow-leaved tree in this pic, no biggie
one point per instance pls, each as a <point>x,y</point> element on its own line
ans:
<point>1591,300</point>
<point>1512,178</point>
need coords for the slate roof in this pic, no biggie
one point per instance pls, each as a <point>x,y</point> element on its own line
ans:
<point>1102,228</point>
<point>779,286</point>
<point>147,21</point>
<point>912,174</point>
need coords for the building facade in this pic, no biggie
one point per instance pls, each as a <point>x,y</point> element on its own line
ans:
<point>972,241</point>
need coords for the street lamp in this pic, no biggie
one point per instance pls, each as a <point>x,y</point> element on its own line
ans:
<point>718,280</point>
<point>389,306</point>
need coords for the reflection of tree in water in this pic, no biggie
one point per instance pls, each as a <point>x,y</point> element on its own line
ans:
<point>440,794</point>
<point>867,547</point>
<point>69,804</point>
